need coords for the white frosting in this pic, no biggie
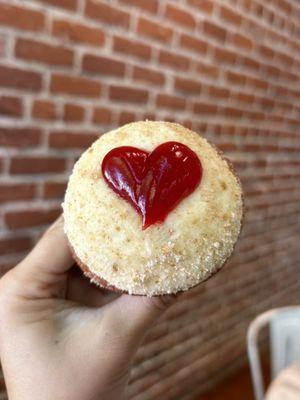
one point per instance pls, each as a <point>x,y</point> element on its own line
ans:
<point>194,241</point>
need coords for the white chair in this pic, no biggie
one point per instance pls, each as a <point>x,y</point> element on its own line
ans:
<point>284,326</point>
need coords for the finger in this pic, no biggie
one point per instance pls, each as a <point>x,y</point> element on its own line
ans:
<point>137,314</point>
<point>80,290</point>
<point>49,260</point>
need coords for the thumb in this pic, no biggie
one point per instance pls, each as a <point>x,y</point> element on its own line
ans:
<point>43,271</point>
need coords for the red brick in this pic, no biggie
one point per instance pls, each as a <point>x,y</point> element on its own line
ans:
<point>205,6</point>
<point>230,16</point>
<point>171,117</point>
<point>285,6</point>
<point>16,192</point>
<point>154,30</point>
<point>103,12</point>
<point>70,140</point>
<point>75,86</point>
<point>257,148</point>
<point>27,218</point>
<point>102,115</point>
<point>103,65</point>
<point>128,94</point>
<point>187,123</point>
<point>227,147</point>
<point>231,112</point>
<point>36,165</point>
<point>73,113</point>
<point>125,117</point>
<point>279,91</point>
<point>44,109</point>
<point>20,137</point>
<point>54,190</point>
<point>266,51</point>
<point>131,47</point>
<point>206,69</point>
<point>11,106</point>
<point>192,43</point>
<point>259,10</point>
<point>171,102</point>
<point>187,85</point>
<point>21,18</point>
<point>248,63</point>
<point>257,83</point>
<point>149,116</point>
<point>270,70</point>
<point>205,108</point>
<point>235,78</point>
<point>67,4</point>
<point>148,75</point>
<point>225,56</point>
<point>20,79</point>
<point>244,97</point>
<point>218,92</point>
<point>278,119</point>
<point>214,31</point>
<point>241,41</point>
<point>76,32</point>
<point>174,60</point>
<point>15,245</point>
<point>42,52</point>
<point>180,16</point>
<point>144,5</point>
<point>255,116</point>
<point>266,103</point>
<point>270,16</point>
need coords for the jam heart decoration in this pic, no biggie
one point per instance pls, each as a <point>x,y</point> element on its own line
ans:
<point>153,183</point>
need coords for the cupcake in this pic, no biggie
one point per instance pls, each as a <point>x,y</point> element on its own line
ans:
<point>151,208</point>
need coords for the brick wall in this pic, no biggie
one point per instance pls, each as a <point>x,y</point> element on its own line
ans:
<point>72,69</point>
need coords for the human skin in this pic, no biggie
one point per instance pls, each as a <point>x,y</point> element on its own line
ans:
<point>61,337</point>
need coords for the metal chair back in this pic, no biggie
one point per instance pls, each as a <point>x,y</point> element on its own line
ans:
<point>284,326</point>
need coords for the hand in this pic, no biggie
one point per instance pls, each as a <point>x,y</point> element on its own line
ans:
<point>63,338</point>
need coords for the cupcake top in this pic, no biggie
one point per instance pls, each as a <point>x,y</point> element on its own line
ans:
<point>180,239</point>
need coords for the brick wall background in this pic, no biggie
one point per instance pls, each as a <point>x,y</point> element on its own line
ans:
<point>72,69</point>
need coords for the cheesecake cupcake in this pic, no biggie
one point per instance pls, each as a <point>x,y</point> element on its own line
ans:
<point>152,208</point>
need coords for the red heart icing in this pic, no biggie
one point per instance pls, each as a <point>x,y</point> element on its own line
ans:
<point>153,183</point>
